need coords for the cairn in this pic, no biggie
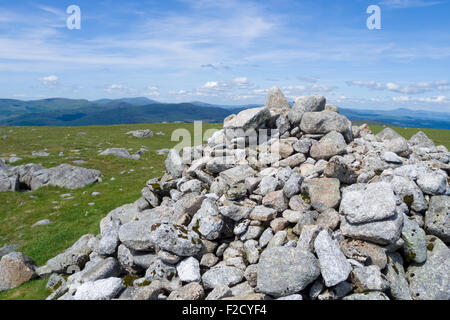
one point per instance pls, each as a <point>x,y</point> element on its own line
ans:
<point>282,203</point>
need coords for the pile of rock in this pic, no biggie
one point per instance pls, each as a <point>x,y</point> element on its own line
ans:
<point>33,176</point>
<point>283,203</point>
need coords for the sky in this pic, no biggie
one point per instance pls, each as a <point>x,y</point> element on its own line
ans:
<point>229,52</point>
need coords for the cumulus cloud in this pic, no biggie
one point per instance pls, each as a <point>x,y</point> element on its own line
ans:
<point>414,88</point>
<point>50,81</point>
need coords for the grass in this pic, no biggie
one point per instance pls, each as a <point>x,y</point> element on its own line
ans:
<point>73,218</point>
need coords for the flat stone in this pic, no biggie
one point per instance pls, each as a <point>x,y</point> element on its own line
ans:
<point>222,276</point>
<point>105,289</point>
<point>284,271</point>
<point>369,203</point>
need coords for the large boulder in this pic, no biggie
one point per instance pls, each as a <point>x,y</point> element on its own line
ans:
<point>330,145</point>
<point>64,176</point>
<point>249,119</point>
<point>176,239</point>
<point>323,193</point>
<point>368,203</point>
<point>325,122</point>
<point>383,232</point>
<point>334,266</point>
<point>275,99</point>
<point>314,103</point>
<point>284,271</point>
<point>16,268</point>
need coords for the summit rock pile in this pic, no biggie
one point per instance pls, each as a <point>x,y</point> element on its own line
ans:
<point>282,203</point>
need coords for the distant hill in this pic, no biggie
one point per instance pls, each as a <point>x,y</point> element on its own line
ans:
<point>71,112</point>
<point>123,113</point>
<point>401,117</point>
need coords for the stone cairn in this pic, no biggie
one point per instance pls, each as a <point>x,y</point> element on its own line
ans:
<point>284,202</point>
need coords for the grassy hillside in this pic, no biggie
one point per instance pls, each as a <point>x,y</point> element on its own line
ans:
<point>73,218</point>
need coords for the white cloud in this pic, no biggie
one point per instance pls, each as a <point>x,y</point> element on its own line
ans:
<point>414,88</point>
<point>50,81</point>
<point>438,99</point>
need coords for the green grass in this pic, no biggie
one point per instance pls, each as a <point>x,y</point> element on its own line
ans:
<point>73,218</point>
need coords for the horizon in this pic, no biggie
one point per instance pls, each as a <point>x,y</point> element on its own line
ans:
<point>227,104</point>
<point>229,52</point>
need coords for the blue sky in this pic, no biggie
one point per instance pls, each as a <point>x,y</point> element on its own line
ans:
<point>229,52</point>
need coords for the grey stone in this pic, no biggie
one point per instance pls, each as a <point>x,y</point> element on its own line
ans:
<point>374,295</point>
<point>192,291</point>
<point>222,275</point>
<point>268,184</point>
<point>284,271</point>
<point>364,252</point>
<point>136,235</point>
<point>369,203</point>
<point>146,133</point>
<point>391,157</point>
<point>110,238</point>
<point>64,176</point>
<point>176,239</point>
<point>174,163</point>
<point>237,174</point>
<point>235,212</point>
<point>100,269</point>
<point>337,168</point>
<point>16,268</point>
<point>420,139</point>
<point>382,232</point>
<point>324,193</point>
<point>189,270</point>
<point>293,185</point>
<point>407,190</point>
<point>369,279</point>
<point>437,218</point>
<point>276,100</point>
<point>432,183</point>
<point>75,256</point>
<point>219,292</point>
<point>431,280</point>
<point>333,264</point>
<point>395,274</point>
<point>276,200</point>
<point>415,247</point>
<point>330,145</point>
<point>314,103</point>
<point>42,223</point>
<point>325,122</point>
<point>105,289</point>
<point>263,213</point>
<point>248,119</point>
